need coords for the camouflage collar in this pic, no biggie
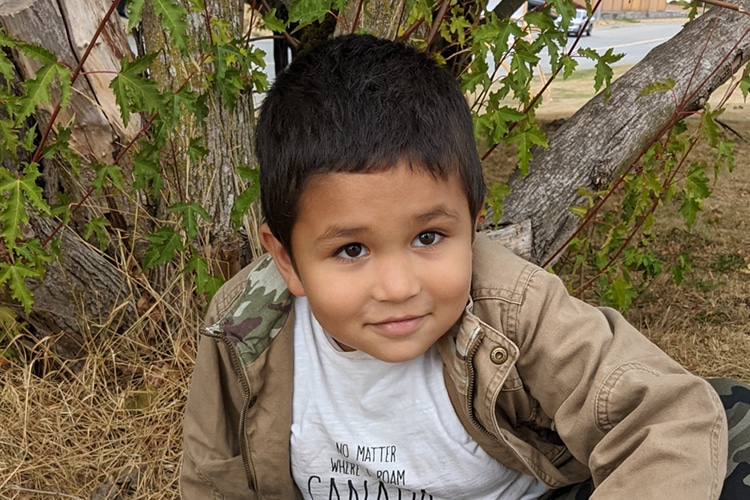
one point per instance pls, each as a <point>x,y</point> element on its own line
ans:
<point>258,313</point>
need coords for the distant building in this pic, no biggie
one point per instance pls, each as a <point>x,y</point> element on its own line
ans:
<point>633,5</point>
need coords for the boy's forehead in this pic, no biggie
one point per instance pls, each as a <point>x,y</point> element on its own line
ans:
<point>421,177</point>
<point>400,184</point>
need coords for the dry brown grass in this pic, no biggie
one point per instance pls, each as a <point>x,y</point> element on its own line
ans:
<point>704,323</point>
<point>67,428</point>
<point>70,428</point>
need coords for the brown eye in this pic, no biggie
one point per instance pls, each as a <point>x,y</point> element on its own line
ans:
<point>351,251</point>
<point>427,238</point>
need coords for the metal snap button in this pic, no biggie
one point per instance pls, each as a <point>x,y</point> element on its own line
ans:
<point>499,355</point>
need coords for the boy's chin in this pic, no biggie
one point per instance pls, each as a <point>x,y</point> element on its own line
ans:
<point>398,355</point>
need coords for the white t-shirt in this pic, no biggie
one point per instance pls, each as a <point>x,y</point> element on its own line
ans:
<point>364,428</point>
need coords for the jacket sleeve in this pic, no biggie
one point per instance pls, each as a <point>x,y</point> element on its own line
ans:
<point>212,465</point>
<point>645,426</point>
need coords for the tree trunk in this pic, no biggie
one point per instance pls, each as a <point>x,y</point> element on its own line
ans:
<point>82,295</point>
<point>84,287</point>
<point>382,18</point>
<point>603,138</point>
<point>66,28</point>
<point>606,136</point>
<point>228,135</point>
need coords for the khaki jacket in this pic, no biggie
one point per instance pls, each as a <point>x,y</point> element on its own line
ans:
<point>545,383</point>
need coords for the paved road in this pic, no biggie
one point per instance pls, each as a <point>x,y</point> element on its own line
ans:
<point>635,40</point>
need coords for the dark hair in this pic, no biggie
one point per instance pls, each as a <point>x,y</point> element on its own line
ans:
<point>361,104</point>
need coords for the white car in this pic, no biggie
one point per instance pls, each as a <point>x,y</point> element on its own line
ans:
<point>578,21</point>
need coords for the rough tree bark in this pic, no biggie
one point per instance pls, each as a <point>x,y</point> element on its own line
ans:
<point>605,136</point>
<point>66,28</point>
<point>81,285</point>
<point>228,133</point>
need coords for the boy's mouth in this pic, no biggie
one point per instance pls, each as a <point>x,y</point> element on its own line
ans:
<point>398,327</point>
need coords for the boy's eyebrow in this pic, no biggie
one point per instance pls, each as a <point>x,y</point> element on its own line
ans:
<point>339,232</point>
<point>436,213</point>
<point>346,232</point>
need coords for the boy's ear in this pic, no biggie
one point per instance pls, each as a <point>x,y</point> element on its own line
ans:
<point>283,261</point>
<point>477,220</point>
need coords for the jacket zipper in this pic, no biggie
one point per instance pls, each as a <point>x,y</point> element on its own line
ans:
<point>470,403</point>
<point>470,389</point>
<point>237,364</point>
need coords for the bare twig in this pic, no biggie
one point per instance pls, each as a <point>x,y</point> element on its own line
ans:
<point>725,5</point>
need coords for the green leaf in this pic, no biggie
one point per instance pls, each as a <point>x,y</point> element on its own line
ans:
<point>696,183</point>
<point>104,172</point>
<point>7,68</point>
<point>273,23</point>
<point>33,254</point>
<point>620,293</point>
<point>133,92</point>
<point>135,12</point>
<point>97,227</point>
<point>204,281</point>
<point>221,30</point>
<point>184,101</point>
<point>242,203</point>
<point>689,209</point>
<point>260,81</point>
<point>457,25</point>
<point>725,155</point>
<point>498,192</point>
<point>15,275</point>
<point>681,268</point>
<point>651,88</point>
<point>579,211</point>
<point>603,67</point>
<point>196,150</point>
<point>524,139</point>
<point>38,89</point>
<point>8,136</point>
<point>476,77</point>
<point>172,17</point>
<point>18,191</point>
<point>31,191</point>
<point>30,138</point>
<point>494,124</point>
<point>226,56</point>
<point>147,169</point>
<point>745,82</point>
<point>165,243</point>
<point>307,11</point>
<point>44,56</point>
<point>190,213</point>
<point>709,127</point>
<point>569,65</point>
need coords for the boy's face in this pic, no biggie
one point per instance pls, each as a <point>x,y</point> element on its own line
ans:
<point>384,258</point>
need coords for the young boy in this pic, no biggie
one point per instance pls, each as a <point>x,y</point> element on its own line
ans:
<point>385,350</point>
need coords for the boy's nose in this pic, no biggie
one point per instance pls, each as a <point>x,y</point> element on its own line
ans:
<point>396,280</point>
